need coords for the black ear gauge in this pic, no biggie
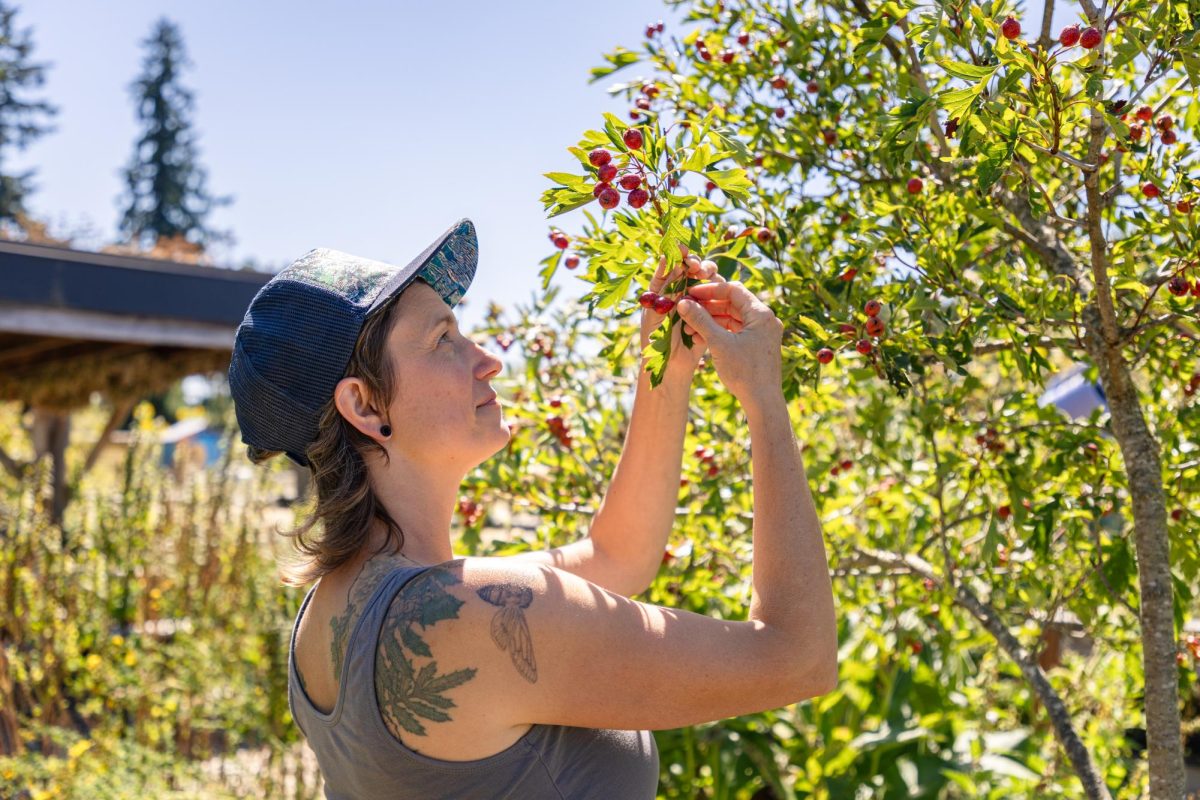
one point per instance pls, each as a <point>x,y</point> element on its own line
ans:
<point>386,430</point>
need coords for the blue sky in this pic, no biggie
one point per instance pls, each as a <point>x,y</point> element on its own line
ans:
<point>368,127</point>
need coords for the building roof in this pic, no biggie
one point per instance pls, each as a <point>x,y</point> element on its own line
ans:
<point>73,322</point>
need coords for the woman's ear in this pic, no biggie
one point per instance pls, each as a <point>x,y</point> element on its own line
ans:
<point>350,397</point>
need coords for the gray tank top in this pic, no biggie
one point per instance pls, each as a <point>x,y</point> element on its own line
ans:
<point>359,757</point>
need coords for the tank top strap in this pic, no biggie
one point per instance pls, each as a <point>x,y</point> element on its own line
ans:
<point>360,700</point>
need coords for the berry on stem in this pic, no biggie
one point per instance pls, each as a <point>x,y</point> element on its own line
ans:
<point>646,300</point>
<point>915,185</point>
<point>632,139</point>
<point>1184,207</point>
<point>872,308</point>
<point>630,182</point>
<point>875,327</point>
<point>663,305</point>
<point>1165,122</point>
<point>609,198</point>
<point>598,188</point>
<point>812,87</point>
<point>1179,286</point>
<point>1150,190</point>
<point>638,197</point>
<point>607,172</point>
<point>824,355</point>
<point>560,240</point>
<point>599,157</point>
<point>863,346</point>
<point>1145,113</point>
<point>1168,137</point>
<point>1090,38</point>
<point>1069,36</point>
<point>572,261</point>
<point>1010,28</point>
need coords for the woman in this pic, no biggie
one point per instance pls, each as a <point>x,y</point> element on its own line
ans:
<point>416,674</point>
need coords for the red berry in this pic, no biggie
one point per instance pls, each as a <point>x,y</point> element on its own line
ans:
<point>1176,514</point>
<point>779,112</point>
<point>848,275</point>
<point>638,197</point>
<point>917,647</point>
<point>630,182</point>
<point>1150,190</point>
<point>632,139</point>
<point>709,186</point>
<point>572,261</point>
<point>650,31</point>
<point>743,39</point>
<point>1184,207</point>
<point>609,198</point>
<point>1145,113</point>
<point>1010,28</point>
<point>951,127</point>
<point>863,346</point>
<point>872,308</point>
<point>561,241</point>
<point>764,235</point>
<point>663,305</point>
<point>599,157</point>
<point>928,583</point>
<point>1168,137</point>
<point>650,90</point>
<point>915,185</point>
<point>1165,123</point>
<point>779,82</point>
<point>847,464</point>
<point>846,329</point>
<point>704,54</point>
<point>713,471</point>
<point>1069,36</point>
<point>647,299</point>
<point>812,87</point>
<point>598,188</point>
<point>643,103</point>
<point>727,56</point>
<point>1089,38</point>
<point>634,114</point>
<point>1135,132</point>
<point>1004,512</point>
<point>658,26</point>
<point>875,327</point>
<point>607,172</point>
<point>829,135</point>
<point>824,355</point>
<point>1179,286</point>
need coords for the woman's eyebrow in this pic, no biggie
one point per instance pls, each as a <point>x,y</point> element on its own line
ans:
<point>447,318</point>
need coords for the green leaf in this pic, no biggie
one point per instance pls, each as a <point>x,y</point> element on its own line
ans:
<point>618,59</point>
<point>733,182</point>
<point>615,292</point>
<point>813,326</point>
<point>698,160</point>
<point>957,102</point>
<point>996,159</point>
<point>968,72</point>
<point>741,154</point>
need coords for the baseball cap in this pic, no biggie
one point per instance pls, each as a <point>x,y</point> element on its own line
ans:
<point>295,342</point>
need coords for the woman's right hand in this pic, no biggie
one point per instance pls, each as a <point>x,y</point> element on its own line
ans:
<point>742,333</point>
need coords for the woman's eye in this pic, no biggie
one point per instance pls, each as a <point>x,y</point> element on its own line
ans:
<point>444,336</point>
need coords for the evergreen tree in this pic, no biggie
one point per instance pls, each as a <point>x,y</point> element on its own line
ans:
<point>166,198</point>
<point>18,117</point>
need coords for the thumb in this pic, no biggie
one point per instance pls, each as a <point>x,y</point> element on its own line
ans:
<point>698,317</point>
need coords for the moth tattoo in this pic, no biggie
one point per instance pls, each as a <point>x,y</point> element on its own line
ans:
<point>509,630</point>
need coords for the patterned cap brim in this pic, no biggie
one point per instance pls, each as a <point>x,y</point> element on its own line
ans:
<point>447,265</point>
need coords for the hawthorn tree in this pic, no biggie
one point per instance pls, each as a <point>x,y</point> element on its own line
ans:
<point>946,203</point>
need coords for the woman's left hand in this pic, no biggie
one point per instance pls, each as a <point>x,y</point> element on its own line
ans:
<point>683,361</point>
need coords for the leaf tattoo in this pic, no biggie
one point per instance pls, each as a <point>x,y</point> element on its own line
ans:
<point>509,630</point>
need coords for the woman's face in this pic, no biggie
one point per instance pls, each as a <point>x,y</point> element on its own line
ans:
<point>442,379</point>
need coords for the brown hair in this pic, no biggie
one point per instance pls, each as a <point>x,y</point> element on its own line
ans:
<point>345,500</point>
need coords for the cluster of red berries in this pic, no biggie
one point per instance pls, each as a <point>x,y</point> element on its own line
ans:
<point>1165,125</point>
<point>875,327</point>
<point>1088,38</point>
<point>562,242</point>
<point>1180,286</point>
<point>727,55</point>
<point>991,440</point>
<point>607,172</point>
<point>559,428</point>
<point>843,466</point>
<point>660,303</point>
<point>471,512</point>
<point>654,28</point>
<point>708,456</point>
<point>649,92</point>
